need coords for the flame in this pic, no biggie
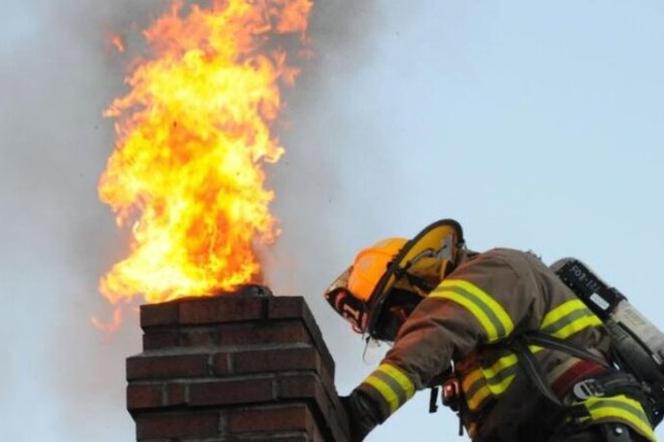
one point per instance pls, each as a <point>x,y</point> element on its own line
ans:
<point>113,325</point>
<point>118,43</point>
<point>193,135</point>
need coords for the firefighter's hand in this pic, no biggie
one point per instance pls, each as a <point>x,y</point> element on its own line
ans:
<point>362,415</point>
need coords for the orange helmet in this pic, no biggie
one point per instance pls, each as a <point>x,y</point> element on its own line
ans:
<point>370,265</point>
<point>388,279</point>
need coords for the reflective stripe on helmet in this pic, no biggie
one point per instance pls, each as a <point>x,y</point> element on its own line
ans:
<point>491,315</point>
<point>392,385</point>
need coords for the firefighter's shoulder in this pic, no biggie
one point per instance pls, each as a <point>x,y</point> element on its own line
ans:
<point>500,260</point>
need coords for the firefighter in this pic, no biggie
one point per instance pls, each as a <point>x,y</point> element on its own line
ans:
<point>517,354</point>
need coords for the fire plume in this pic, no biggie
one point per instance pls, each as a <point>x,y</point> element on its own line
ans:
<point>118,43</point>
<point>193,136</point>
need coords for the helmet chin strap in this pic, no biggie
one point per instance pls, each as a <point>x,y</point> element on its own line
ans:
<point>368,340</point>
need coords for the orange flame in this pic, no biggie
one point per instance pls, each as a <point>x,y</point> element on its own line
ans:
<point>194,133</point>
<point>118,43</point>
<point>109,327</point>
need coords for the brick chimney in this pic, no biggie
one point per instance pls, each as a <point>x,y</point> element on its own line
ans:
<point>242,366</point>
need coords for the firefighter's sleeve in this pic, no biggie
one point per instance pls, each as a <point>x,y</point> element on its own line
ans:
<point>481,302</point>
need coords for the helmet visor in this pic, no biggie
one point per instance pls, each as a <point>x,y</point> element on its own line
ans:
<point>342,300</point>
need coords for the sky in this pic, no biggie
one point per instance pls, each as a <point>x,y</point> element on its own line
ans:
<point>537,125</point>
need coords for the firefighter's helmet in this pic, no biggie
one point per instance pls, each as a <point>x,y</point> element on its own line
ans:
<point>387,280</point>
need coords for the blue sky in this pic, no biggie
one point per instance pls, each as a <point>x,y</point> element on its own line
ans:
<point>537,125</point>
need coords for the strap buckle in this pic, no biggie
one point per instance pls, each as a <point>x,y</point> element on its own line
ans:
<point>616,433</point>
<point>452,394</point>
<point>588,388</point>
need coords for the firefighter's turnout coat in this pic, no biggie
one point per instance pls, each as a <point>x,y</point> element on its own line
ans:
<point>487,299</point>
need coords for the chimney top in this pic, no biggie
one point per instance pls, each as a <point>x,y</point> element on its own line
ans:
<point>246,365</point>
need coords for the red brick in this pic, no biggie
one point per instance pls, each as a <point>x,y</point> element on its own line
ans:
<point>177,425</point>
<point>159,314</point>
<point>272,332</point>
<point>222,309</point>
<point>221,364</point>
<point>199,337</point>
<point>156,340</point>
<point>276,360</point>
<point>325,355</point>
<point>163,367</point>
<point>300,387</point>
<point>308,387</point>
<point>287,307</point>
<point>144,396</point>
<point>294,417</point>
<point>176,394</point>
<point>291,307</point>
<point>231,392</point>
<point>286,438</point>
<point>284,394</point>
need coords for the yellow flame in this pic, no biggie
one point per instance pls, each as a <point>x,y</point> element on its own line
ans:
<point>194,133</point>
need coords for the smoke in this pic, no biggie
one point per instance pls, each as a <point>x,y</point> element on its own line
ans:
<point>57,73</point>
<point>333,158</point>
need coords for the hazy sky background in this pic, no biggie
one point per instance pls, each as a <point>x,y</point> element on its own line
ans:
<point>537,125</point>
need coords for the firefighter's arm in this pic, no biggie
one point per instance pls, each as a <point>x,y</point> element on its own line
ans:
<point>363,415</point>
<point>480,302</point>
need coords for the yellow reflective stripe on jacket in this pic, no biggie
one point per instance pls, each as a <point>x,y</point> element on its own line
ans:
<point>404,382</point>
<point>472,430</point>
<point>392,384</point>
<point>493,380</point>
<point>568,318</point>
<point>491,315</point>
<point>471,379</point>
<point>501,374</point>
<point>623,409</point>
<point>475,389</point>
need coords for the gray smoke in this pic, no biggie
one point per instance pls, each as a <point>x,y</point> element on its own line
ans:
<point>332,153</point>
<point>57,74</point>
<point>63,380</point>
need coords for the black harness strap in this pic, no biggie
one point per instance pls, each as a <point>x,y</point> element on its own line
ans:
<point>531,367</point>
<point>614,382</point>
<point>553,343</point>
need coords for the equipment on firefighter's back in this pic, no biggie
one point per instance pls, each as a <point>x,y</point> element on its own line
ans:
<point>637,345</point>
<point>386,281</point>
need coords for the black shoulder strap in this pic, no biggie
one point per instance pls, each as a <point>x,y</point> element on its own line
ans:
<point>532,368</point>
<point>612,383</point>
<point>553,343</point>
